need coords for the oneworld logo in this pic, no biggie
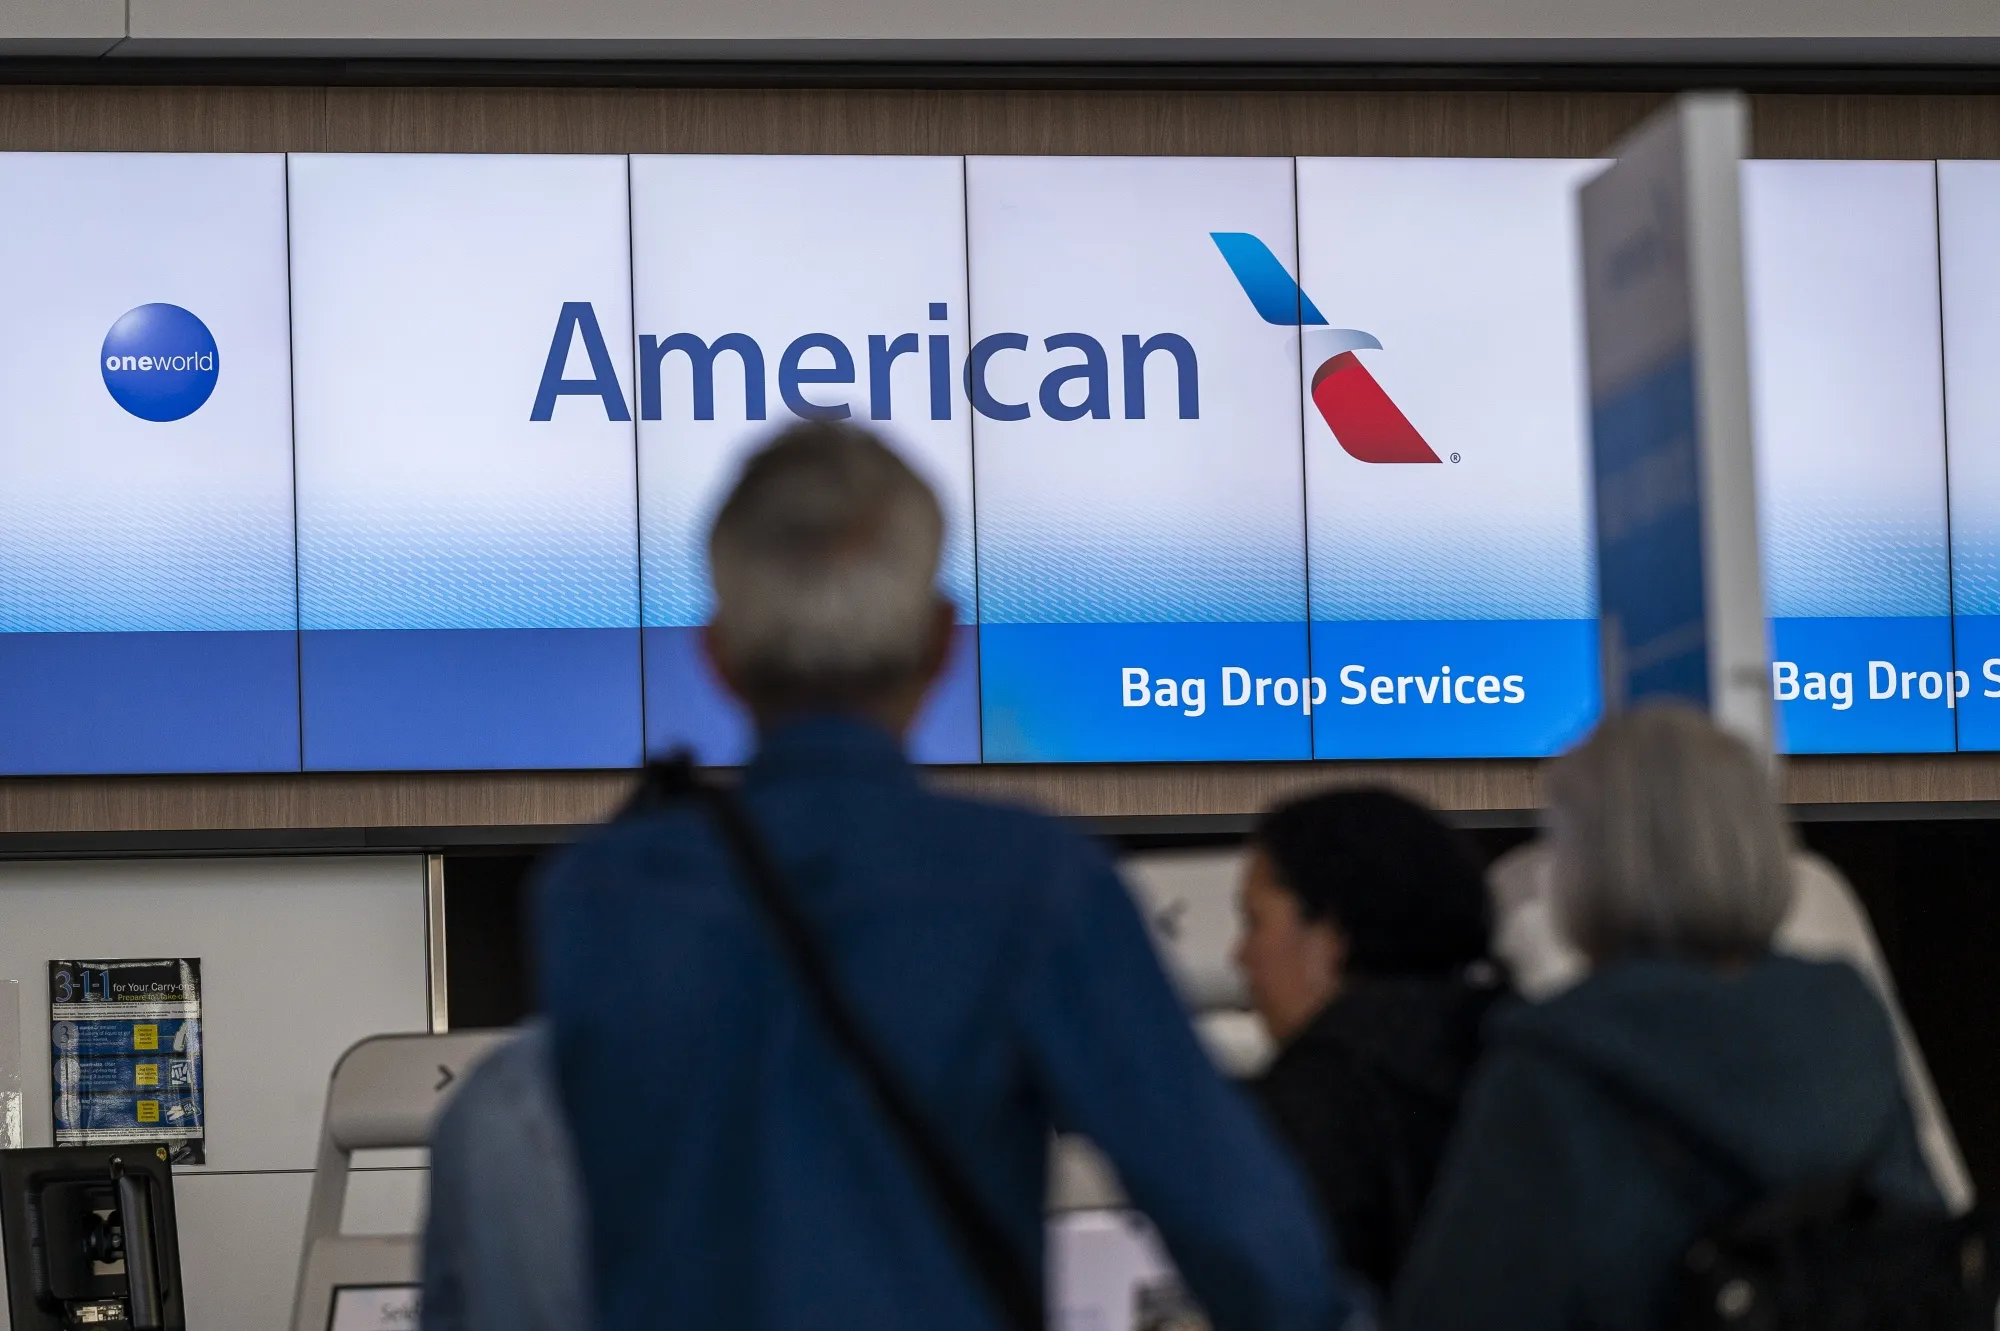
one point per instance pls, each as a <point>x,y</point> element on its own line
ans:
<point>820,377</point>
<point>159,362</point>
<point>1365,421</point>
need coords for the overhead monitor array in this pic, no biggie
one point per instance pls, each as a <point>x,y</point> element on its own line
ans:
<point>406,462</point>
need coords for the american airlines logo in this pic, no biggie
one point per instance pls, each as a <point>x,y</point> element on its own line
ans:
<point>830,387</point>
<point>1364,419</point>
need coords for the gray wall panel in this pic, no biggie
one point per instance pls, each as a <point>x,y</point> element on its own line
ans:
<point>300,958</point>
<point>60,27</point>
<point>1094,29</point>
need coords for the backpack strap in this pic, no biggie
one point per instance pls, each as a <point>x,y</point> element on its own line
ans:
<point>980,1239</point>
<point>1681,1156</point>
<point>1683,1153</point>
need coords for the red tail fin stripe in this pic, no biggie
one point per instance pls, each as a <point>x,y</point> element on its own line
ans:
<point>1367,424</point>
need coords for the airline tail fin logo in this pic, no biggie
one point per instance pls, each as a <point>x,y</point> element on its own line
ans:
<point>1365,421</point>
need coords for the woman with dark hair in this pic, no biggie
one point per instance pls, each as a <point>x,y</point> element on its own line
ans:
<point>1365,929</point>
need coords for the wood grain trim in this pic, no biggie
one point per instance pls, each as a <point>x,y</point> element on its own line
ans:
<point>554,799</point>
<point>599,120</point>
<point>559,799</point>
<point>1137,790</point>
<point>1939,778</point>
<point>343,800</point>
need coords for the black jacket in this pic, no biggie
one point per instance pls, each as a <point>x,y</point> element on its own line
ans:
<point>1562,1204</point>
<point>1366,1096</point>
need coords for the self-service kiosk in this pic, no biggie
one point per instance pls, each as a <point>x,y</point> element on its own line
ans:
<point>90,1238</point>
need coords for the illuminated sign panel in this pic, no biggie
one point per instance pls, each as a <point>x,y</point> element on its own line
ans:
<point>1136,440</point>
<point>468,529</point>
<point>1240,459</point>
<point>1840,263</point>
<point>773,290</point>
<point>147,610</point>
<point>1969,236</point>
<point>1446,458</point>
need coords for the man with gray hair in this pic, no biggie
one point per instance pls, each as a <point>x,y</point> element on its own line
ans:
<point>825,561</point>
<point>739,1174</point>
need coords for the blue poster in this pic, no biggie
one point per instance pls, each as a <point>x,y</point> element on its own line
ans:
<point>125,1053</point>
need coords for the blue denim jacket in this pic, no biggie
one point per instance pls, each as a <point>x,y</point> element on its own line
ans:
<point>737,1176</point>
<point>503,1244</point>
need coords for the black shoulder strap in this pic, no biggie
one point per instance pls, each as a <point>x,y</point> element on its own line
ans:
<point>980,1239</point>
<point>1689,1148</point>
<point>1683,1158</point>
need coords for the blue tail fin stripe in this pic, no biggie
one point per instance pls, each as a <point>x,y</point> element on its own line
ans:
<point>1271,289</point>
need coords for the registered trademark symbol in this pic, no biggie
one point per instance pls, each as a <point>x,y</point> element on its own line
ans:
<point>1454,457</point>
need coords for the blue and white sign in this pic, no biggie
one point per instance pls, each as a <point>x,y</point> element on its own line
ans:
<point>1446,468</point>
<point>1680,583</point>
<point>1241,459</point>
<point>779,289</point>
<point>1136,433</point>
<point>468,525</point>
<point>147,606</point>
<point>1840,261</point>
<point>125,1054</point>
<point>1969,234</point>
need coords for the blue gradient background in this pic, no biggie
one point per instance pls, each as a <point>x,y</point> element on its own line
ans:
<point>1969,232</point>
<point>468,577</point>
<point>1465,271</point>
<point>721,246</point>
<point>1164,543</point>
<point>147,605</point>
<point>1841,264</point>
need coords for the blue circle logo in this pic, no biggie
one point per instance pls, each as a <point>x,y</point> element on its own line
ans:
<point>159,362</point>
